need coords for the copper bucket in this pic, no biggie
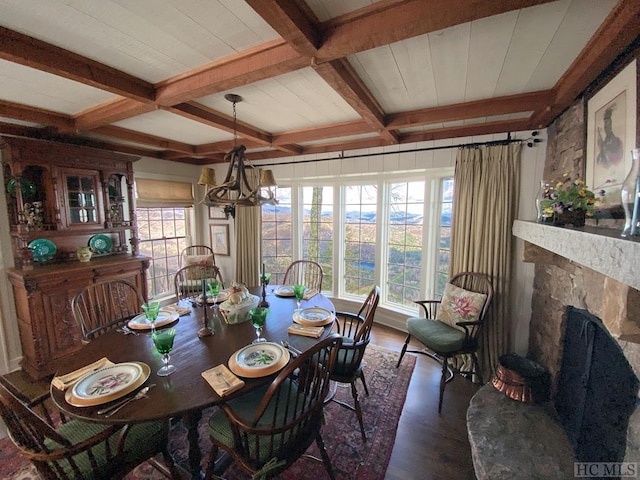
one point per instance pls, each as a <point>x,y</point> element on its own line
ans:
<point>521,379</point>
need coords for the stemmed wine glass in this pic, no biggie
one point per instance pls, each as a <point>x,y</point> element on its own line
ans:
<point>258,316</point>
<point>151,311</point>
<point>214,290</point>
<point>163,340</point>
<point>298,291</point>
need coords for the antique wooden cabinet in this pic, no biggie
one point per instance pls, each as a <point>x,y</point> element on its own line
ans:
<point>61,197</point>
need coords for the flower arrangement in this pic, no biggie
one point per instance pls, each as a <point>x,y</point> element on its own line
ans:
<point>570,196</point>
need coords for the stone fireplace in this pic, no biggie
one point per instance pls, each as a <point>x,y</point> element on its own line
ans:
<point>591,269</point>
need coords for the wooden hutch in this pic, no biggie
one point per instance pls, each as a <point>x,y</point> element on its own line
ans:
<point>61,197</point>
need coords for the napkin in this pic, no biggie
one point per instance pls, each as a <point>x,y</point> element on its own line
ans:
<point>310,293</point>
<point>177,308</point>
<point>222,380</point>
<point>62,382</point>
<point>296,329</point>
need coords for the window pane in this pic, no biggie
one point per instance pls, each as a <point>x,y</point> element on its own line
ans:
<point>444,238</point>
<point>276,235</point>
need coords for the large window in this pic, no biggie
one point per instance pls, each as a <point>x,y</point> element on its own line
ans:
<point>404,226</point>
<point>393,232</point>
<point>317,230</point>
<point>162,234</point>
<point>277,245</point>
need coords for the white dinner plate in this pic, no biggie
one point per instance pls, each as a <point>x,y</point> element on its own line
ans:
<point>313,316</point>
<point>287,291</point>
<point>222,296</point>
<point>259,359</point>
<point>108,383</point>
<point>165,317</point>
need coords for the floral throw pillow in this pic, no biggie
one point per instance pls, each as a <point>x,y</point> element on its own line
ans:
<point>459,305</point>
<point>200,260</point>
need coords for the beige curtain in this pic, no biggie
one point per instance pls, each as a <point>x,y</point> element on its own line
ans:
<point>487,184</point>
<point>248,239</point>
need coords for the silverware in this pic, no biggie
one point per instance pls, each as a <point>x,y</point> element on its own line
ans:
<point>291,348</point>
<point>127,331</point>
<point>114,408</point>
<point>224,379</point>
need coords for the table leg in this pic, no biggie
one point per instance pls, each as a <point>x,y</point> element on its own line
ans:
<point>191,421</point>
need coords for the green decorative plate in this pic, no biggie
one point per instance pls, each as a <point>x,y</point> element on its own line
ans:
<point>101,243</point>
<point>27,187</point>
<point>43,249</point>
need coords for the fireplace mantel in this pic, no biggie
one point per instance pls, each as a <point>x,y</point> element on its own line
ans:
<point>599,249</point>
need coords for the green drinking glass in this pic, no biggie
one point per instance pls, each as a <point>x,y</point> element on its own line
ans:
<point>214,290</point>
<point>163,340</point>
<point>151,311</point>
<point>298,291</point>
<point>258,316</point>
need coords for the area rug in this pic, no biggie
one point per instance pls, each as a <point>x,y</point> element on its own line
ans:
<point>351,458</point>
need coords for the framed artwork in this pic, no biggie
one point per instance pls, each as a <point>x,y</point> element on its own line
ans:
<point>217,213</point>
<point>220,238</point>
<point>611,134</point>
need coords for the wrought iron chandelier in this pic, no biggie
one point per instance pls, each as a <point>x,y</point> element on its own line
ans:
<point>239,187</point>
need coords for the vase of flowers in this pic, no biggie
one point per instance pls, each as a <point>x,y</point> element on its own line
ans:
<point>570,202</point>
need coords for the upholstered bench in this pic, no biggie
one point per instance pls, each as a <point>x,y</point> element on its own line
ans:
<point>511,439</point>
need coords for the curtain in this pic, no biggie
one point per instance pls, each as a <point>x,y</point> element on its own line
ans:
<point>487,184</point>
<point>163,193</point>
<point>248,239</point>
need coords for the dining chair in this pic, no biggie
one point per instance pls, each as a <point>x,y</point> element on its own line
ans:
<point>304,272</point>
<point>188,280</point>
<point>75,449</point>
<point>355,329</point>
<point>451,326</point>
<point>268,429</point>
<point>105,306</point>
<point>197,255</point>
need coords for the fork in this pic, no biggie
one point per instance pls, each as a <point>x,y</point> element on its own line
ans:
<point>224,379</point>
<point>114,408</point>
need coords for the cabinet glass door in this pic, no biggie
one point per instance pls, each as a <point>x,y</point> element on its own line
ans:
<point>82,199</point>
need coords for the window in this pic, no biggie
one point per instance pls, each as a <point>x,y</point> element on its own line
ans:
<point>317,230</point>
<point>445,215</point>
<point>277,245</point>
<point>162,234</point>
<point>360,210</point>
<point>404,226</point>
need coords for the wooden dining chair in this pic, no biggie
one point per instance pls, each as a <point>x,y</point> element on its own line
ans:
<point>80,450</point>
<point>105,306</point>
<point>355,329</point>
<point>268,429</point>
<point>197,255</point>
<point>188,280</point>
<point>451,326</point>
<point>304,272</point>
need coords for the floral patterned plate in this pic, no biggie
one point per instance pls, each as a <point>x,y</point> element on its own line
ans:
<point>43,249</point>
<point>100,243</point>
<point>259,360</point>
<point>107,384</point>
<point>313,316</point>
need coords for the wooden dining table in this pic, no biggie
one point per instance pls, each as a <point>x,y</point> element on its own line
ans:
<point>185,394</point>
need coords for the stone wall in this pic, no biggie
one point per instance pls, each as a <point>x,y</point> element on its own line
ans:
<point>559,282</point>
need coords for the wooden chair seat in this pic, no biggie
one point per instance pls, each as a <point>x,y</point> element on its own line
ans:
<point>436,335</point>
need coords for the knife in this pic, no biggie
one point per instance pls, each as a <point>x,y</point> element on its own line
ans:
<point>114,408</point>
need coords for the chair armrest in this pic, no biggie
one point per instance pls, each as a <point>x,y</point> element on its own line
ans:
<point>465,325</point>
<point>354,318</point>
<point>430,307</point>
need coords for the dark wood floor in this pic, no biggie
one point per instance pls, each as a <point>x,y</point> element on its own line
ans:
<point>429,446</point>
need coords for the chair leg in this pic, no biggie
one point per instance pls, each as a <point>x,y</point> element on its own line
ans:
<point>364,383</point>
<point>404,350</point>
<point>358,409</point>
<point>325,457</point>
<point>211,465</point>
<point>443,380</point>
<point>476,368</point>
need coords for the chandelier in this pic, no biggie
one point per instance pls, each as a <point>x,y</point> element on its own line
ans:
<point>244,184</point>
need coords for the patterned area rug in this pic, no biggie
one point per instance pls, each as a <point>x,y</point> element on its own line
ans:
<point>351,459</point>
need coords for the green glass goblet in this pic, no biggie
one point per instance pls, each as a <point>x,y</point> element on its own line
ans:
<point>214,290</point>
<point>298,291</point>
<point>151,311</point>
<point>258,316</point>
<point>163,340</point>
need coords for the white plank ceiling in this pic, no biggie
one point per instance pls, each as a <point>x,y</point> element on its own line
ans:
<point>148,77</point>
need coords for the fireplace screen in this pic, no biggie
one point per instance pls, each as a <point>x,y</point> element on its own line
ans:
<point>597,390</point>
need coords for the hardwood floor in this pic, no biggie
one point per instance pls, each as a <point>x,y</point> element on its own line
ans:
<point>429,446</point>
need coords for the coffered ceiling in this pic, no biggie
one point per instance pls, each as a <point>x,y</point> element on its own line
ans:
<point>149,77</point>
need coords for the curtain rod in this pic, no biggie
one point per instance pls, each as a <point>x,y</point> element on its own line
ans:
<point>529,141</point>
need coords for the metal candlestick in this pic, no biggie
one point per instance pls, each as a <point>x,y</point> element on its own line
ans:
<point>264,302</point>
<point>205,331</point>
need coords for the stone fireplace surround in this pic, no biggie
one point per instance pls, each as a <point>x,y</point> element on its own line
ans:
<point>589,268</point>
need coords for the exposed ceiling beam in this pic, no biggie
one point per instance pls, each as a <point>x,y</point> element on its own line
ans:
<point>319,133</point>
<point>111,112</point>
<point>293,22</point>
<point>389,21</point>
<point>18,48</point>
<point>339,74</point>
<point>35,115</point>
<point>145,139</point>
<point>467,130</point>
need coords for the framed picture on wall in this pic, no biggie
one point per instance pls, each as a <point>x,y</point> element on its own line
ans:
<point>220,238</point>
<point>217,213</point>
<point>611,134</point>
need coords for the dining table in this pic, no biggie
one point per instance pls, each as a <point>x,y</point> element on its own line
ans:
<point>185,393</point>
